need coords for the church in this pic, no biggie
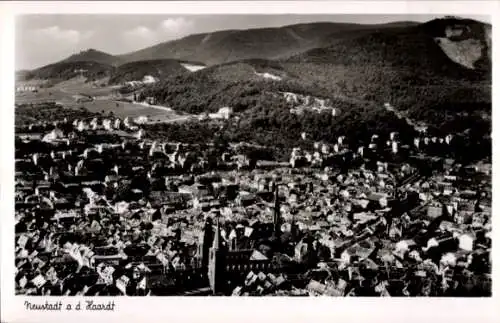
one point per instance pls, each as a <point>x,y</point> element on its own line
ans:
<point>228,261</point>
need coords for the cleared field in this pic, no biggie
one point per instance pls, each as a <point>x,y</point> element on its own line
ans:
<point>43,95</point>
<point>78,85</point>
<point>133,110</point>
<point>64,93</point>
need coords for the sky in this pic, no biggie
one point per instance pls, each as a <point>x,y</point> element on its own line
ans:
<point>46,39</point>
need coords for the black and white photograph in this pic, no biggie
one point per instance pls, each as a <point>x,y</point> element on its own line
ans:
<point>252,155</point>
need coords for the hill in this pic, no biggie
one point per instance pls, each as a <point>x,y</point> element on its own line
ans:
<point>92,71</point>
<point>63,71</point>
<point>266,43</point>
<point>417,47</point>
<point>93,55</point>
<point>136,71</point>
<point>406,66</point>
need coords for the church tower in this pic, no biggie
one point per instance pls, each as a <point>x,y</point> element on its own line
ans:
<point>216,262</point>
<point>277,215</point>
<point>294,228</point>
<point>204,246</point>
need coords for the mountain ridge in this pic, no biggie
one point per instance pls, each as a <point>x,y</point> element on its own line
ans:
<point>236,44</point>
<point>222,46</point>
<point>331,43</point>
<point>102,57</point>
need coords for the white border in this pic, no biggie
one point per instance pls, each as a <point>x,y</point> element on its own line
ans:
<point>225,309</point>
<point>256,7</point>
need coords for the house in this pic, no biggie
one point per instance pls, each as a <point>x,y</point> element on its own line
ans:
<point>377,200</point>
<point>468,194</point>
<point>141,120</point>
<point>196,190</point>
<point>166,198</point>
<point>450,178</point>
<point>42,190</point>
<point>223,113</point>
<point>54,135</point>
<point>434,210</point>
<point>203,202</point>
<point>226,191</point>
<point>246,198</point>
<point>151,100</point>
<point>466,241</point>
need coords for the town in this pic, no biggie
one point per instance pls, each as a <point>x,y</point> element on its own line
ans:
<point>104,208</point>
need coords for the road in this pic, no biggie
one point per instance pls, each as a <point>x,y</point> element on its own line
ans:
<point>418,126</point>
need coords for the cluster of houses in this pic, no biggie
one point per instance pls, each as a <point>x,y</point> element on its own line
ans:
<point>26,88</point>
<point>223,113</point>
<point>103,211</point>
<point>302,104</point>
<point>146,80</point>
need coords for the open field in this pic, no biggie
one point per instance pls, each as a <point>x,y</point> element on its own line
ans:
<point>77,85</point>
<point>125,109</point>
<point>44,95</point>
<point>64,93</point>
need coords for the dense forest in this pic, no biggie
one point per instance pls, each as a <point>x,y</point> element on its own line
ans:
<point>63,71</point>
<point>135,71</point>
<point>33,113</point>
<point>92,71</point>
<point>357,75</point>
<point>445,104</point>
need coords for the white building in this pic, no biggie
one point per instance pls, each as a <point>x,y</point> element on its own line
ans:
<point>25,88</point>
<point>223,113</point>
<point>141,120</point>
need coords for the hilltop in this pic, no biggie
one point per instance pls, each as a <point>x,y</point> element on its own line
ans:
<point>92,71</point>
<point>409,67</point>
<point>159,69</point>
<point>429,46</point>
<point>63,71</point>
<point>93,55</point>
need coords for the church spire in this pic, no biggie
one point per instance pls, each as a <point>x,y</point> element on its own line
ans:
<point>206,243</point>
<point>277,215</point>
<point>216,262</point>
<point>216,243</point>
